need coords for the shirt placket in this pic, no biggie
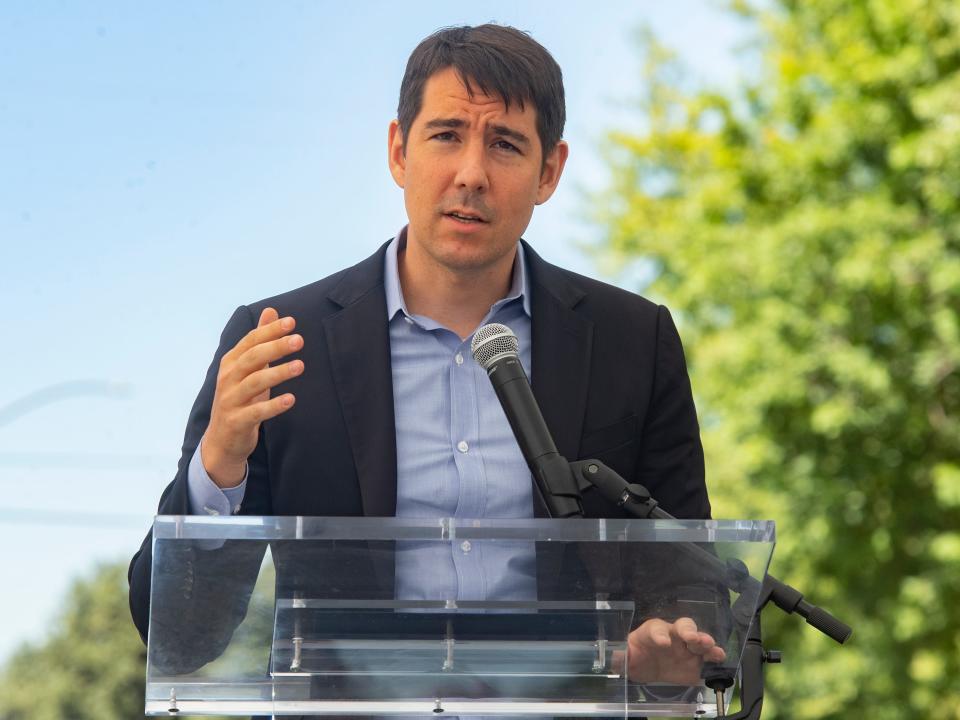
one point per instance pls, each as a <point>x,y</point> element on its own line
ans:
<point>467,451</point>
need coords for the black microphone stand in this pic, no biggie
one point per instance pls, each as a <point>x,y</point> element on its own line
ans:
<point>733,575</point>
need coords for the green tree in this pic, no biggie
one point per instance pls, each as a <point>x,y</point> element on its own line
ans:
<point>805,229</point>
<point>91,665</point>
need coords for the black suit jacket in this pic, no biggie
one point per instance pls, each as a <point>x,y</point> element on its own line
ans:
<point>608,372</point>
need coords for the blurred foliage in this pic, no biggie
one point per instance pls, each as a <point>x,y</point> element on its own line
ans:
<point>805,225</point>
<point>90,666</point>
<point>93,662</point>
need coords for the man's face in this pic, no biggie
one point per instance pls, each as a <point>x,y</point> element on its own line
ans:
<point>471,174</point>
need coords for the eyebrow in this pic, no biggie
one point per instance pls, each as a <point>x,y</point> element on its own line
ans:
<point>456,124</point>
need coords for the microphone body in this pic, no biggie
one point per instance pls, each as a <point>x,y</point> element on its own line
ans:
<point>550,469</point>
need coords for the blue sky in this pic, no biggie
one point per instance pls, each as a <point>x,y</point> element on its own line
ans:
<point>162,163</point>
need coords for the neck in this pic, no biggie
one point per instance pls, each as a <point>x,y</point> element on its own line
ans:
<point>457,299</point>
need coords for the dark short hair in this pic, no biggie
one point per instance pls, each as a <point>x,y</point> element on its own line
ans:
<point>499,60</point>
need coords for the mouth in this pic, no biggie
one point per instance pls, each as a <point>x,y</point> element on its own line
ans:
<point>465,216</point>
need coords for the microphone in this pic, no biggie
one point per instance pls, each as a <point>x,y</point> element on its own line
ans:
<point>496,350</point>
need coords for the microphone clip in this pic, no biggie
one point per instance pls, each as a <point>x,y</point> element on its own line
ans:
<point>631,496</point>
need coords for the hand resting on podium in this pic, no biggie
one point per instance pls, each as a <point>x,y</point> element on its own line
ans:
<point>663,652</point>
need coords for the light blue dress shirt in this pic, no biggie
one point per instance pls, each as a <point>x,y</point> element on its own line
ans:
<point>456,454</point>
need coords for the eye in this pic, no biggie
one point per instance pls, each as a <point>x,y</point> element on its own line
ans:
<point>444,136</point>
<point>508,146</point>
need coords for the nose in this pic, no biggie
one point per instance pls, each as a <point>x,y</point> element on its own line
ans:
<point>472,172</point>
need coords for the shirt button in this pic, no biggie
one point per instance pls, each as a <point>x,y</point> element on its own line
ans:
<point>459,358</point>
<point>465,546</point>
<point>409,320</point>
<point>462,446</point>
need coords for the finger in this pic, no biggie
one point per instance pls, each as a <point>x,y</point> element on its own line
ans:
<point>258,412</point>
<point>267,316</point>
<point>265,379</point>
<point>701,645</point>
<point>715,654</point>
<point>686,629</point>
<point>258,356</point>
<point>261,334</point>
<point>654,632</point>
<point>706,640</point>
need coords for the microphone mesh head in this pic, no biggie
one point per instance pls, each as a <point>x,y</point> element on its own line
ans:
<point>492,342</point>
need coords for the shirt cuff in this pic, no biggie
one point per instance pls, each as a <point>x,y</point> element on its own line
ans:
<point>206,498</point>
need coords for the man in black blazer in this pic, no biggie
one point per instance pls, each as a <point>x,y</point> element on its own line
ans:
<point>474,149</point>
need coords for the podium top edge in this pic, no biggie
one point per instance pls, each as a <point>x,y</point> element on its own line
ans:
<point>250,527</point>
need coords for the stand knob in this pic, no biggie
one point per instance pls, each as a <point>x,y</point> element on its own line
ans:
<point>774,657</point>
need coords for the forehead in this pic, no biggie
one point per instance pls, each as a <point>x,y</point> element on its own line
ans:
<point>445,94</point>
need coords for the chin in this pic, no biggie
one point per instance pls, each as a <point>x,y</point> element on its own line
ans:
<point>467,259</point>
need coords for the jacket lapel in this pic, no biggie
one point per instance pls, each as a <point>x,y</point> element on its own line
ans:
<point>562,343</point>
<point>358,341</point>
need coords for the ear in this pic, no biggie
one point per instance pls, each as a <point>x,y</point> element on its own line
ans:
<point>552,170</point>
<point>395,156</point>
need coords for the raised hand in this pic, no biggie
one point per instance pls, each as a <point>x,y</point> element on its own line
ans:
<point>242,398</point>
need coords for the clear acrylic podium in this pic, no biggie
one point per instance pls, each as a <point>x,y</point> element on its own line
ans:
<point>383,616</point>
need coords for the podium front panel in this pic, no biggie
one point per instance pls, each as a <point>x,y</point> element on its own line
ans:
<point>383,616</point>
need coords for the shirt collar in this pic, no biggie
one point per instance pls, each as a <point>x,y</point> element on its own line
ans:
<point>519,283</point>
